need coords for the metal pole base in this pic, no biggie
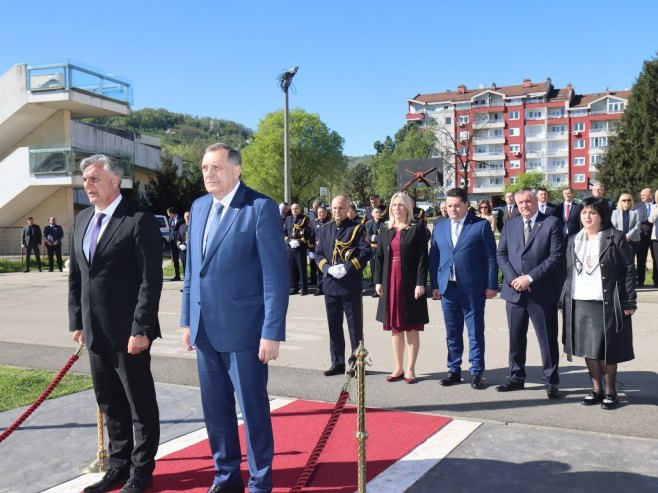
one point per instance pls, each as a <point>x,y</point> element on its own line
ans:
<point>101,464</point>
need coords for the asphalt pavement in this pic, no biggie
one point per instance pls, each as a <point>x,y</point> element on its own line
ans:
<point>525,441</point>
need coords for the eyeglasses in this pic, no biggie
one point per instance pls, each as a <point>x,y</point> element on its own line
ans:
<point>625,200</point>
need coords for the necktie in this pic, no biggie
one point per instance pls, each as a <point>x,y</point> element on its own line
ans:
<point>648,207</point>
<point>455,232</point>
<point>526,231</point>
<point>542,208</point>
<point>509,212</point>
<point>626,224</point>
<point>214,225</point>
<point>567,211</point>
<point>95,230</point>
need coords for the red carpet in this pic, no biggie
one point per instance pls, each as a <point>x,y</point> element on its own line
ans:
<point>297,427</point>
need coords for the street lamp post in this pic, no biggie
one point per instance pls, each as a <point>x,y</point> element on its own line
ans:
<point>285,79</point>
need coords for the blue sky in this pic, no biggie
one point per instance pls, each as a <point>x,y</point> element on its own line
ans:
<point>358,61</point>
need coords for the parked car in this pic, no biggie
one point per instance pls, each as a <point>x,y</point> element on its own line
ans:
<point>164,229</point>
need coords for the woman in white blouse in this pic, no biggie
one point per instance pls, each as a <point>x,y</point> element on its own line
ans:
<point>598,300</point>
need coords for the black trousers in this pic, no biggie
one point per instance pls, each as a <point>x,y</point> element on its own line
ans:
<point>313,273</point>
<point>297,268</point>
<point>352,307</point>
<point>126,394</point>
<point>37,255</point>
<point>641,254</point>
<point>54,251</point>
<point>175,257</point>
<point>183,258</point>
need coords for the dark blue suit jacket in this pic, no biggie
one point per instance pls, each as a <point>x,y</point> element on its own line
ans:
<point>474,256</point>
<point>540,258</point>
<point>241,285</point>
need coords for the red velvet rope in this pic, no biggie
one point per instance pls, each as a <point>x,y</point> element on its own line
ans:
<point>322,442</point>
<point>44,395</point>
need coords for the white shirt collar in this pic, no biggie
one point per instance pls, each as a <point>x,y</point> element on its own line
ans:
<point>109,210</point>
<point>228,198</point>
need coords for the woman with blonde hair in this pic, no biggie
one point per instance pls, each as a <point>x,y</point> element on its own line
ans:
<point>400,275</point>
<point>626,218</point>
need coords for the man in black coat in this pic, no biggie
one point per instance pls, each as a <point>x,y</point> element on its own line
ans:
<point>543,204</point>
<point>569,213</point>
<point>507,211</point>
<point>53,234</point>
<point>115,280</point>
<point>31,242</point>
<point>181,244</point>
<point>299,237</point>
<point>174,223</point>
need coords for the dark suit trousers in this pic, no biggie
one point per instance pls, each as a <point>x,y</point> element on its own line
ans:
<point>222,376</point>
<point>175,258</point>
<point>54,251</point>
<point>297,267</point>
<point>313,273</point>
<point>544,320</point>
<point>352,307</point>
<point>126,394</point>
<point>37,255</point>
<point>641,254</point>
<point>457,309</point>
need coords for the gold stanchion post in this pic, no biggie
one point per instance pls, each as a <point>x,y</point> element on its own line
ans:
<point>101,462</point>
<point>361,433</point>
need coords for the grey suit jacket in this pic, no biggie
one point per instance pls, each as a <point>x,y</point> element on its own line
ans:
<point>633,223</point>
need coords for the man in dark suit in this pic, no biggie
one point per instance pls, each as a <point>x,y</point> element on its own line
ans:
<point>299,237</point>
<point>530,253</point>
<point>543,204</point>
<point>376,201</point>
<point>235,299</point>
<point>644,244</point>
<point>31,242</point>
<point>598,191</point>
<point>463,274</point>
<point>506,212</point>
<point>182,239</point>
<point>322,218</point>
<point>115,280</point>
<point>174,224</point>
<point>53,234</point>
<point>569,214</point>
<point>341,252</point>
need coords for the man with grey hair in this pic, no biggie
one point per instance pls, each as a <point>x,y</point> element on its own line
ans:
<point>115,280</point>
<point>529,255</point>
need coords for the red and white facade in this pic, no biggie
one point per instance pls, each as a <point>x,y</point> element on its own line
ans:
<point>509,130</point>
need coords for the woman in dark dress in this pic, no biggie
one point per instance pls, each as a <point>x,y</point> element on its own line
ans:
<point>400,275</point>
<point>598,300</point>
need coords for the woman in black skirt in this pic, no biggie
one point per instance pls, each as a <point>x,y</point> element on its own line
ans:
<point>598,300</point>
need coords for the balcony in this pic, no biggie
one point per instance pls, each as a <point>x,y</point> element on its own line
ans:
<point>563,151</point>
<point>64,161</point>
<point>534,137</point>
<point>488,139</point>
<point>489,171</point>
<point>489,156</point>
<point>534,153</point>
<point>488,123</point>
<point>558,135</point>
<point>415,117</point>
<point>488,188</point>
<point>598,132</point>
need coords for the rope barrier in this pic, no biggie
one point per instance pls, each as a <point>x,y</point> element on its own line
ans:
<point>44,395</point>
<point>312,461</point>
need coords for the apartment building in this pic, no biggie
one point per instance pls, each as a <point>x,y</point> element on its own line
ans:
<point>42,142</point>
<point>487,136</point>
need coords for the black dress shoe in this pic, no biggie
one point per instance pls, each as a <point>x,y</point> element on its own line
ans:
<point>335,370</point>
<point>552,392</point>
<point>476,382</point>
<point>227,488</point>
<point>137,484</point>
<point>610,401</point>
<point>293,291</point>
<point>112,478</point>
<point>304,292</point>
<point>319,292</point>
<point>175,278</point>
<point>511,385</point>
<point>451,379</point>
<point>592,398</point>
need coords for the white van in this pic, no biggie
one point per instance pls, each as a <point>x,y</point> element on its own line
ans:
<point>164,229</point>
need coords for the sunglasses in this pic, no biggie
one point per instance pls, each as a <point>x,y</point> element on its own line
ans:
<point>625,200</point>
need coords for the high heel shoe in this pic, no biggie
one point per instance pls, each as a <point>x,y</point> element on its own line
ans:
<point>395,378</point>
<point>592,398</point>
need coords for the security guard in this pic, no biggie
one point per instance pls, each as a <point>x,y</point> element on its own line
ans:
<point>322,218</point>
<point>372,230</point>
<point>341,252</point>
<point>299,237</point>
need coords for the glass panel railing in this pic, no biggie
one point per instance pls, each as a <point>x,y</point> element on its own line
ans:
<point>66,161</point>
<point>69,75</point>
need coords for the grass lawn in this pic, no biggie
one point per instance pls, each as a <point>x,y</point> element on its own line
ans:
<point>21,387</point>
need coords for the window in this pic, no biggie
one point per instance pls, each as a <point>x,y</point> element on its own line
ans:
<point>482,149</point>
<point>579,127</point>
<point>579,178</point>
<point>498,132</point>
<point>448,120</point>
<point>595,159</point>
<point>464,183</point>
<point>598,142</point>
<point>615,107</point>
<point>463,120</point>
<point>556,113</point>
<point>480,102</point>
<point>464,106</point>
<point>515,164</point>
<point>576,113</point>
<point>535,99</point>
<point>515,148</point>
<point>513,115</point>
<point>558,129</point>
<point>535,115</point>
<point>579,144</point>
<point>598,126</point>
<point>512,179</point>
<point>579,161</point>
<point>463,151</point>
<point>463,135</point>
<point>514,132</point>
<point>513,102</point>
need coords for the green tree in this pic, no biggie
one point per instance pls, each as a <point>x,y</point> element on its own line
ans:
<point>530,180</point>
<point>316,156</point>
<point>631,160</point>
<point>164,190</point>
<point>359,183</point>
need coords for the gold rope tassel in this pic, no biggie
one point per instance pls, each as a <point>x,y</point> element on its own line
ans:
<point>361,434</point>
<point>101,462</point>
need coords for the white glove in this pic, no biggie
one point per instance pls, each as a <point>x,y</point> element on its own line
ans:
<point>293,243</point>
<point>311,255</point>
<point>182,247</point>
<point>337,271</point>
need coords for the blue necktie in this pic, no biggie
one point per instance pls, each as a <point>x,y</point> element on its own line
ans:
<point>94,235</point>
<point>214,225</point>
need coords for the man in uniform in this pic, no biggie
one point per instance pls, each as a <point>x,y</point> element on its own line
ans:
<point>174,223</point>
<point>53,233</point>
<point>372,230</point>
<point>321,219</point>
<point>299,236</point>
<point>341,253</point>
<point>31,242</point>
<point>376,201</point>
